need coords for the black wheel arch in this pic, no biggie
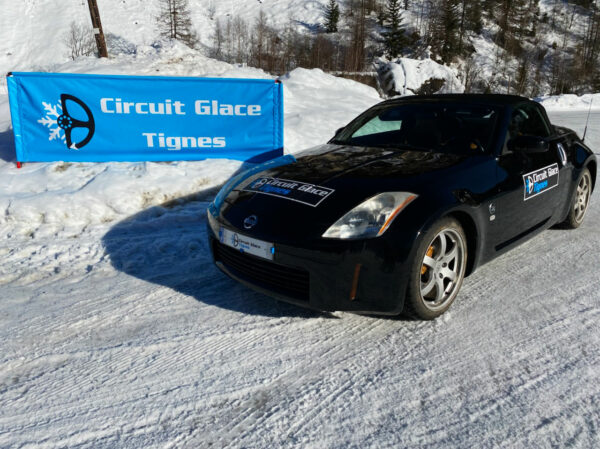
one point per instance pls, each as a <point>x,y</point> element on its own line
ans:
<point>471,230</point>
<point>592,167</point>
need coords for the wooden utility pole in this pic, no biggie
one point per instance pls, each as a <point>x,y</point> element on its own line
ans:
<point>98,33</point>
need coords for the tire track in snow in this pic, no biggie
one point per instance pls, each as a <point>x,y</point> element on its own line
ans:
<point>297,390</point>
<point>293,384</point>
<point>539,341</point>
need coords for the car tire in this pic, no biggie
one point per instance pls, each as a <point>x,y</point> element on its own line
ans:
<point>581,201</point>
<point>437,271</point>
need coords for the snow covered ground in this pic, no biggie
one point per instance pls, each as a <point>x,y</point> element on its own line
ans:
<point>117,331</point>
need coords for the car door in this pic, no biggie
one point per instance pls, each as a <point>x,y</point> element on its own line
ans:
<point>561,144</point>
<point>528,182</point>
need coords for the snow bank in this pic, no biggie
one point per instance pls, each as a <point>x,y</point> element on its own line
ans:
<point>317,104</point>
<point>44,199</point>
<point>570,102</point>
<point>164,58</point>
<point>407,76</point>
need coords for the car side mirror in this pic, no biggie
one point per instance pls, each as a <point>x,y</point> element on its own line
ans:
<point>528,144</point>
<point>339,130</point>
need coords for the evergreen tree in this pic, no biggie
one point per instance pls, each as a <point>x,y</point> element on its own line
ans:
<point>394,39</point>
<point>445,38</point>
<point>474,17</point>
<point>174,22</point>
<point>517,21</point>
<point>332,16</point>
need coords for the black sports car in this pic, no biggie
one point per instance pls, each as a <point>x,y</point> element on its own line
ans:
<point>402,204</point>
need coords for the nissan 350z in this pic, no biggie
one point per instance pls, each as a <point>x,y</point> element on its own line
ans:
<point>403,203</point>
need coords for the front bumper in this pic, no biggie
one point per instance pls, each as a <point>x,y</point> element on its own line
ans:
<point>367,276</point>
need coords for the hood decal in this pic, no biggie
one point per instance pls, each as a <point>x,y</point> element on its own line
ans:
<point>240,177</point>
<point>301,192</point>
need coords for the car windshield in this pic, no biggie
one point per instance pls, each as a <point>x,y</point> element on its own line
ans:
<point>437,126</point>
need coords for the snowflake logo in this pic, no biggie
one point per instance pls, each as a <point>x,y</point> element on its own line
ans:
<point>50,121</point>
<point>61,124</point>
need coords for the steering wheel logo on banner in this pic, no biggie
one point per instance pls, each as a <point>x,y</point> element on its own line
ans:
<point>61,123</point>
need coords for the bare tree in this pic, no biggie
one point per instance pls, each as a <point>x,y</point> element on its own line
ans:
<point>355,60</point>
<point>80,41</point>
<point>259,39</point>
<point>218,40</point>
<point>240,34</point>
<point>591,42</point>
<point>471,75</point>
<point>174,22</point>
<point>211,10</point>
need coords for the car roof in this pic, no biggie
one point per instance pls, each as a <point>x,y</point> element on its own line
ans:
<point>493,99</point>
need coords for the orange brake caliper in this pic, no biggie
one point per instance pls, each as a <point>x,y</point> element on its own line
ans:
<point>429,253</point>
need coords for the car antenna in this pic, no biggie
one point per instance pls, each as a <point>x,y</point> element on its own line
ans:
<point>588,118</point>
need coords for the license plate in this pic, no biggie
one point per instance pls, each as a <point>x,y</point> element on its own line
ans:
<point>245,244</point>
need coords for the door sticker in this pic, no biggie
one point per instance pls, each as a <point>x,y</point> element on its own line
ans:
<point>537,182</point>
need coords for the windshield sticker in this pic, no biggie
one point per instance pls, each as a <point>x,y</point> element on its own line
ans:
<point>301,192</point>
<point>540,181</point>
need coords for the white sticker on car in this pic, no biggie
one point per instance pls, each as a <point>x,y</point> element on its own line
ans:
<point>301,192</point>
<point>539,181</point>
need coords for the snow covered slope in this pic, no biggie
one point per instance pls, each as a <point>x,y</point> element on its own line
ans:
<point>32,32</point>
<point>406,76</point>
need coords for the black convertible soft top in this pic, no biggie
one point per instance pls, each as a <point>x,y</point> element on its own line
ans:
<point>492,99</point>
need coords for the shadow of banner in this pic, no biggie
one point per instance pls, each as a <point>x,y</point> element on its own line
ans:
<point>7,146</point>
<point>167,245</point>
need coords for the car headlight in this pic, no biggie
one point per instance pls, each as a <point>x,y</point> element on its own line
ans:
<point>370,218</point>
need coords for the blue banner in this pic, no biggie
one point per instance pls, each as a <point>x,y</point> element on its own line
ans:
<point>97,118</point>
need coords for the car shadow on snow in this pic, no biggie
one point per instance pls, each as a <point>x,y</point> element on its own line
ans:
<point>167,245</point>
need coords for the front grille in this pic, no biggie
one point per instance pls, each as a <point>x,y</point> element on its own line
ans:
<point>292,282</point>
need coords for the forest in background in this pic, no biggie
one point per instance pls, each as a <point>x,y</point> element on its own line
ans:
<point>523,47</point>
<point>531,51</point>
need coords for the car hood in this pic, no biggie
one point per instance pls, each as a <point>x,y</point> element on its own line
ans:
<point>326,182</point>
<point>325,163</point>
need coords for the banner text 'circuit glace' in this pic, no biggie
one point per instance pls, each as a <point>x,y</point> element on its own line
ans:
<point>95,118</point>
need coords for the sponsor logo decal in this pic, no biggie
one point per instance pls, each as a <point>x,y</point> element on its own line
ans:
<point>301,192</point>
<point>539,181</point>
<point>245,244</point>
<point>250,221</point>
<point>61,124</point>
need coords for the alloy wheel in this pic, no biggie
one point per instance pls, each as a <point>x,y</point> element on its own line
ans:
<point>582,197</point>
<point>443,269</point>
